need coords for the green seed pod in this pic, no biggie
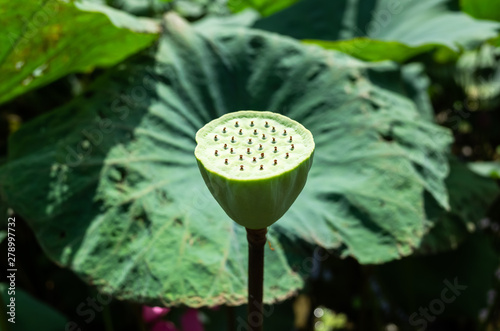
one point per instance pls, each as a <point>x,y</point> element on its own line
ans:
<point>255,164</point>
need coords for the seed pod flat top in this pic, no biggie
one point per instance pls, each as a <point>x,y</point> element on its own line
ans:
<point>253,145</point>
<point>255,164</point>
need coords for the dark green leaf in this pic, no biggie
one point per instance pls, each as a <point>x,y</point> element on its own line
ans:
<point>482,9</point>
<point>470,199</point>
<point>31,314</point>
<point>381,29</point>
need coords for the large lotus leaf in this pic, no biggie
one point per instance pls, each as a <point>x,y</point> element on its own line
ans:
<point>45,40</point>
<point>111,187</point>
<point>377,30</point>
<point>470,198</point>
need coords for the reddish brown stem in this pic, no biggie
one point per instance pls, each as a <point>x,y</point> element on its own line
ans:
<point>256,242</point>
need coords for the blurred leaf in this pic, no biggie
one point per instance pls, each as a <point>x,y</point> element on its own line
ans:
<point>482,9</point>
<point>264,7</point>
<point>416,283</point>
<point>45,40</point>
<point>119,198</point>
<point>374,50</point>
<point>470,198</point>
<point>380,29</point>
<point>31,314</point>
<point>486,169</point>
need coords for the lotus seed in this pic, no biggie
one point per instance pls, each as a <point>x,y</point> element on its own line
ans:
<point>271,134</point>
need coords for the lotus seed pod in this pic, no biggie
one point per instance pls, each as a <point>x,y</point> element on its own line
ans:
<point>251,166</point>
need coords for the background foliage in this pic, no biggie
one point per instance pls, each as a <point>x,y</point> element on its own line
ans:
<point>100,101</point>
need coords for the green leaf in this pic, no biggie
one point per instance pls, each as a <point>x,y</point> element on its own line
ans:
<point>382,29</point>
<point>45,40</point>
<point>470,198</point>
<point>111,187</point>
<point>374,50</point>
<point>30,313</point>
<point>411,286</point>
<point>482,9</point>
<point>264,7</point>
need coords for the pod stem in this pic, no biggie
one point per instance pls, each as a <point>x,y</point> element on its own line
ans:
<point>256,242</point>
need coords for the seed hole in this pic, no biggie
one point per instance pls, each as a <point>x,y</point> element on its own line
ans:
<point>232,139</point>
<point>250,140</point>
<point>225,146</point>
<point>284,132</point>
<point>248,150</point>
<point>215,138</point>
<point>241,157</point>
<point>225,161</point>
<point>261,155</point>
<point>275,149</point>
<point>236,124</point>
<point>224,130</point>
<point>254,131</point>
<point>293,147</point>
<point>287,155</point>
<point>254,159</point>
<point>216,153</point>
<point>240,132</point>
<point>267,125</point>
<point>231,151</point>
<point>251,123</point>
<point>261,167</point>
<point>260,147</point>
<point>274,129</point>
<point>241,167</point>
<point>275,162</point>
